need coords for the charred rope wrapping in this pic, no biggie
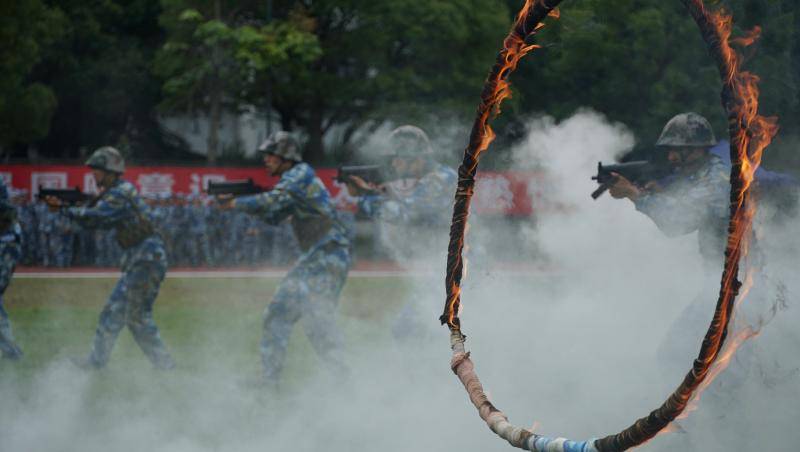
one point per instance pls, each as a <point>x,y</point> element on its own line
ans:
<point>749,134</point>
<point>495,90</point>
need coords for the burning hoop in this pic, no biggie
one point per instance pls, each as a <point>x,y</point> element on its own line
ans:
<point>749,133</point>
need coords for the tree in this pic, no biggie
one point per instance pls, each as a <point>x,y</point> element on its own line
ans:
<point>212,58</point>
<point>27,29</point>
<point>640,62</point>
<point>384,60</point>
<point>98,70</point>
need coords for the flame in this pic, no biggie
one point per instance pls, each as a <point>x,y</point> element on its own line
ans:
<point>750,135</point>
<point>497,89</point>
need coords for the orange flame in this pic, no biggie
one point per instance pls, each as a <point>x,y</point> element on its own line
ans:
<point>751,133</point>
<point>514,48</point>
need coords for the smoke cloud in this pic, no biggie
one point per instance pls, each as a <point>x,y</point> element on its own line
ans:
<point>565,340</point>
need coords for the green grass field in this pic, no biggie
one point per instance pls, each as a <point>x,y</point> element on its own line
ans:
<point>201,320</point>
<point>211,401</point>
<point>401,396</point>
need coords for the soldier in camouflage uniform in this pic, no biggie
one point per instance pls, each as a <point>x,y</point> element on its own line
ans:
<point>27,220</point>
<point>427,202</point>
<point>415,221</point>
<point>198,244</point>
<point>10,253</point>
<point>694,197</point>
<point>144,263</point>
<point>311,289</point>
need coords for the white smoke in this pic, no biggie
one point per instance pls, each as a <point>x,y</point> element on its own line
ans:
<point>568,341</point>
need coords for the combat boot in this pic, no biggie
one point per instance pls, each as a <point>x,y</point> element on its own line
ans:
<point>14,354</point>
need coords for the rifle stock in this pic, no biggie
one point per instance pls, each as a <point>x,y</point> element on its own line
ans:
<point>639,172</point>
<point>66,195</point>
<point>374,174</point>
<point>235,188</point>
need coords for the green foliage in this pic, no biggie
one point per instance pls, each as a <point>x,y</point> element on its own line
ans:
<point>389,59</point>
<point>640,62</point>
<point>26,29</point>
<point>79,74</point>
<point>204,54</point>
<point>98,70</point>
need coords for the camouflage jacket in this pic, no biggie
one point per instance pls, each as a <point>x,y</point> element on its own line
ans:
<point>10,252</point>
<point>10,230</point>
<point>694,202</point>
<point>121,208</point>
<point>301,197</point>
<point>428,203</point>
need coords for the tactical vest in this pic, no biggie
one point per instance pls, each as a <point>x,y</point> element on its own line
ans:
<point>134,231</point>
<point>310,230</point>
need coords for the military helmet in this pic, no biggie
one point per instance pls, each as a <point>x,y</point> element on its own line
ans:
<point>409,141</point>
<point>108,159</point>
<point>282,144</point>
<point>687,130</point>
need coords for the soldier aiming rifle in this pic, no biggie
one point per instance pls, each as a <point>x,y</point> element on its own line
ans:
<point>10,253</point>
<point>310,291</point>
<point>412,159</point>
<point>418,217</point>
<point>120,207</point>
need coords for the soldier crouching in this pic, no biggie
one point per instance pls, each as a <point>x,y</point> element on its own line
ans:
<point>144,261</point>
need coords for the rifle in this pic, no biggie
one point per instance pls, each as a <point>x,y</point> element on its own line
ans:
<point>639,172</point>
<point>70,196</point>
<point>235,188</point>
<point>373,174</point>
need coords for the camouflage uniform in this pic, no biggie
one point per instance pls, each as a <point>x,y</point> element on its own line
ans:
<point>144,264</point>
<point>198,245</point>
<point>419,221</point>
<point>694,202</point>
<point>689,202</point>
<point>10,253</point>
<point>27,220</point>
<point>312,287</point>
<point>427,204</point>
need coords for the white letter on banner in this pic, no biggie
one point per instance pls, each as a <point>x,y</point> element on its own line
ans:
<point>90,184</point>
<point>47,180</point>
<point>156,183</point>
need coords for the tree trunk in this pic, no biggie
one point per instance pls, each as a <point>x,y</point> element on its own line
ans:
<point>215,100</point>
<point>213,125</point>
<point>315,149</point>
<point>795,62</point>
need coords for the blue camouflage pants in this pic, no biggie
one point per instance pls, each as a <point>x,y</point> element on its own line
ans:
<point>309,292</point>
<point>8,347</point>
<point>131,304</point>
<point>9,254</point>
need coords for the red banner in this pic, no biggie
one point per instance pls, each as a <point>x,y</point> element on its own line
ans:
<point>497,193</point>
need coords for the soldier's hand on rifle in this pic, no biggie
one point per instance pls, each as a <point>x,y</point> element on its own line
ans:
<point>225,202</point>
<point>53,203</point>
<point>620,187</point>
<point>653,186</point>
<point>357,186</point>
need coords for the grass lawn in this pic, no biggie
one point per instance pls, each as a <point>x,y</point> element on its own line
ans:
<point>203,321</point>
<point>582,367</point>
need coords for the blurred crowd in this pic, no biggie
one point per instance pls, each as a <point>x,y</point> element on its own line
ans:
<point>196,233</point>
